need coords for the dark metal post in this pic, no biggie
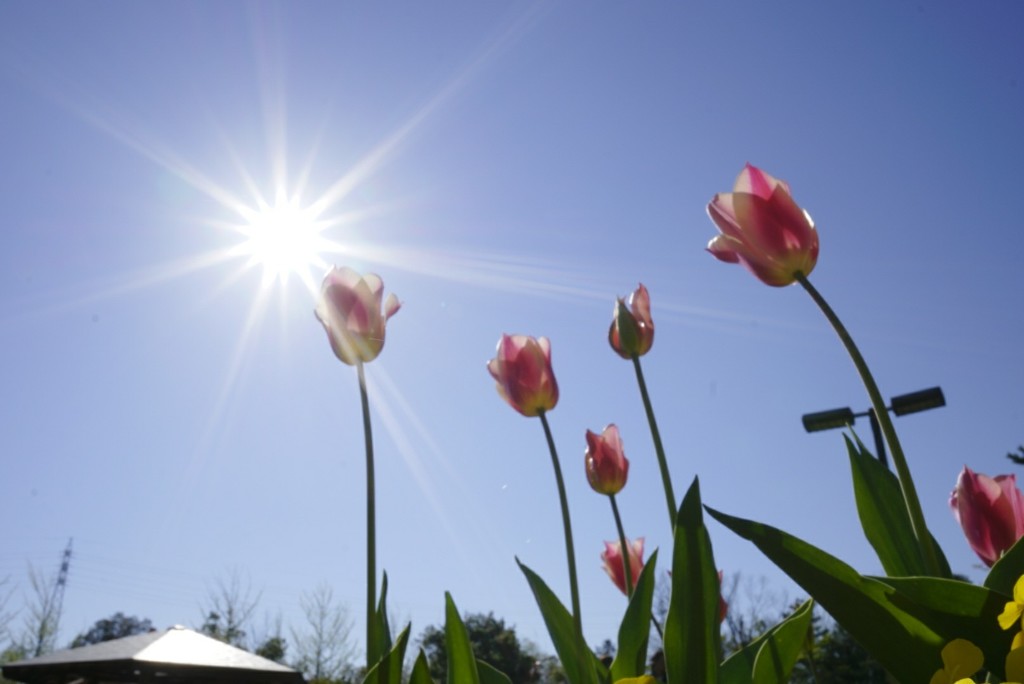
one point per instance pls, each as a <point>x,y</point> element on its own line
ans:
<point>876,430</point>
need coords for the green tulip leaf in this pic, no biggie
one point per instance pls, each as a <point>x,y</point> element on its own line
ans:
<point>381,628</point>
<point>770,658</point>
<point>884,516</point>
<point>388,669</point>
<point>461,661</point>
<point>779,653</point>
<point>579,668</point>
<point>691,628</point>
<point>631,654</point>
<point>490,674</point>
<point>1007,570</point>
<point>904,645</point>
<point>625,322</point>
<point>420,670</point>
<point>956,609</point>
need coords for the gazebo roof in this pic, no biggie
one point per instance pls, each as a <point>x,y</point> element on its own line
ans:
<point>174,656</point>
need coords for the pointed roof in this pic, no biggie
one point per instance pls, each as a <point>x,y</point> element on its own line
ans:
<point>174,656</point>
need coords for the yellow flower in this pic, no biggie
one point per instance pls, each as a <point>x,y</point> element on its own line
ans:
<point>1015,608</point>
<point>1015,666</point>
<point>959,657</point>
<point>646,679</point>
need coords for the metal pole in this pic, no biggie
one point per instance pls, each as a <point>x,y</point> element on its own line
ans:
<point>876,429</point>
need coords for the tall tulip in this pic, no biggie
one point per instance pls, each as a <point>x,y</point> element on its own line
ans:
<point>350,311</point>
<point>606,463</point>
<point>632,330</point>
<point>522,369</point>
<point>631,336</point>
<point>763,229</point>
<point>607,469</point>
<point>611,559</point>
<point>991,512</point>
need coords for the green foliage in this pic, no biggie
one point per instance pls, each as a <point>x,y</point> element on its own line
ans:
<point>836,658</point>
<point>691,628</point>
<point>381,628</point>
<point>420,670</point>
<point>461,662</point>
<point>631,655</point>
<point>114,627</point>
<point>580,668</point>
<point>770,658</point>
<point>903,622</point>
<point>273,648</point>
<point>492,642</point>
<point>388,669</point>
<point>1007,570</point>
<point>884,516</point>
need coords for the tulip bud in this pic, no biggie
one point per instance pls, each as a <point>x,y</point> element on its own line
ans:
<point>522,369</point>
<point>632,330</point>
<point>763,229</point>
<point>611,559</point>
<point>350,311</point>
<point>990,511</point>
<point>606,464</point>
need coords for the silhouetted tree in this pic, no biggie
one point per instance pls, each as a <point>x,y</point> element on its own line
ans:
<point>836,658</point>
<point>492,642</point>
<point>273,648</point>
<point>114,627</point>
<point>230,607</point>
<point>323,647</point>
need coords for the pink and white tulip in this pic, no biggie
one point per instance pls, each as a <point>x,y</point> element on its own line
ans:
<point>990,511</point>
<point>611,558</point>
<point>606,464</point>
<point>522,369</point>
<point>350,311</point>
<point>763,229</point>
<point>632,330</point>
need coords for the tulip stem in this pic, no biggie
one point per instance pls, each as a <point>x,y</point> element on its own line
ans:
<point>910,499</point>
<point>623,548</point>
<point>371,527</point>
<point>577,620</point>
<point>666,478</point>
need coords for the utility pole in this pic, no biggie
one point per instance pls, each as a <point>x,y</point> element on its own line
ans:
<point>62,580</point>
<point>48,612</point>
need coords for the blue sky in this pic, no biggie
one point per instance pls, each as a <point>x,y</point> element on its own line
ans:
<point>505,167</point>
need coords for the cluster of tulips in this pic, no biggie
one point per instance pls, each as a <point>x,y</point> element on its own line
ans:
<point>917,620</point>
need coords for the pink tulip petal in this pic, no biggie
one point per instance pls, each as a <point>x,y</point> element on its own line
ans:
<point>755,181</point>
<point>722,211</point>
<point>640,304</point>
<point>375,285</point>
<point>723,248</point>
<point>391,306</point>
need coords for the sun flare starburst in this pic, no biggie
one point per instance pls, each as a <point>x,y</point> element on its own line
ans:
<point>284,238</point>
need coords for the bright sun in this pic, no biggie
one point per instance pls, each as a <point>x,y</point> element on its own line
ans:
<point>284,238</point>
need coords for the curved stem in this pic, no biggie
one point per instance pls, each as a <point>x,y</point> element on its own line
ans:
<point>899,460</point>
<point>577,620</point>
<point>666,478</point>
<point>371,526</point>
<point>623,547</point>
